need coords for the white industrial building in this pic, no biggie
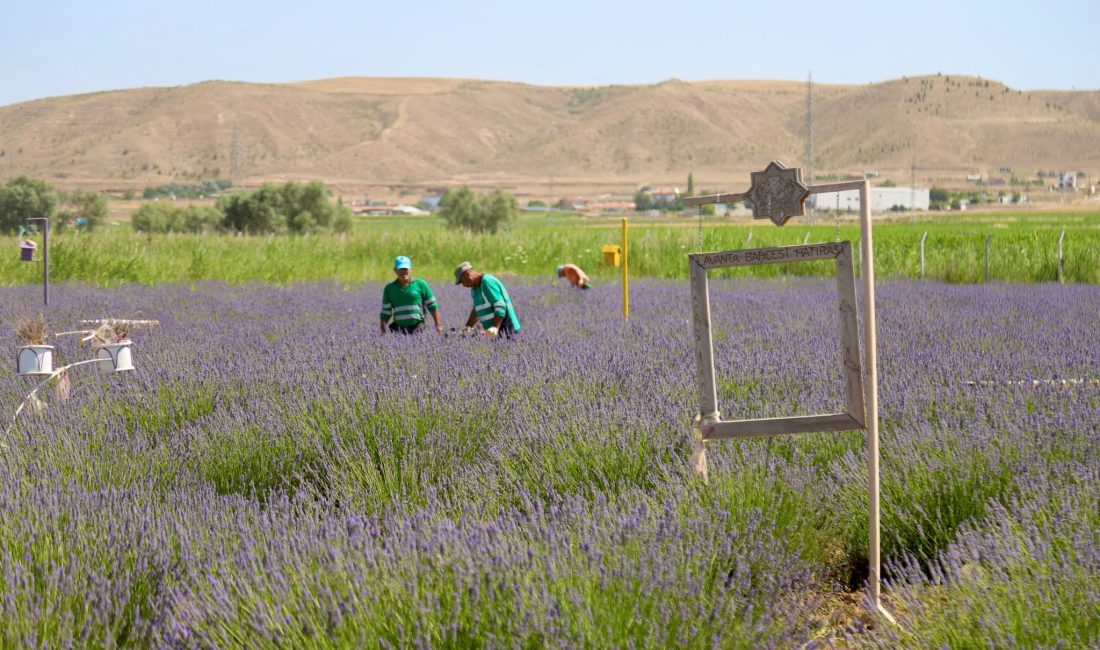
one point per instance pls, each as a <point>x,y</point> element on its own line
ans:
<point>883,199</point>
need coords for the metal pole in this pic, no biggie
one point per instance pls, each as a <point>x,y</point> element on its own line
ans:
<point>988,238</point>
<point>626,277</point>
<point>922,238</point>
<point>42,383</point>
<point>870,392</point>
<point>46,263</point>
<point>45,259</point>
<point>1061,278</point>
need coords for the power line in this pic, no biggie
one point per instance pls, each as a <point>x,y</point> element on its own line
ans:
<point>236,158</point>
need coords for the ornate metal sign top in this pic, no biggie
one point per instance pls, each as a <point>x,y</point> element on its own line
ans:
<point>777,193</point>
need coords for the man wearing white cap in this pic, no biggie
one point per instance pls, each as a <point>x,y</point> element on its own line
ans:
<point>405,299</point>
<point>492,304</point>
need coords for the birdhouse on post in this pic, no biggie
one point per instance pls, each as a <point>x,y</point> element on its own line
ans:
<point>611,254</point>
<point>26,250</point>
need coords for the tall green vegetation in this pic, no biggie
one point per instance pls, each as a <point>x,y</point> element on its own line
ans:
<point>464,210</point>
<point>165,217</point>
<point>1024,251</point>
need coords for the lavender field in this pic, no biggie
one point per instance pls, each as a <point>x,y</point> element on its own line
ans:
<point>275,474</point>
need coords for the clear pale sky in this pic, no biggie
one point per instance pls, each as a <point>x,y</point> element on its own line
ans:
<point>76,46</point>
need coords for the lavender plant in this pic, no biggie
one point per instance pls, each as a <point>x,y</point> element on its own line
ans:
<point>345,489</point>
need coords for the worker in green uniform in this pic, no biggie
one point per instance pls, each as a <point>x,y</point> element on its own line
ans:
<point>492,304</point>
<point>405,299</point>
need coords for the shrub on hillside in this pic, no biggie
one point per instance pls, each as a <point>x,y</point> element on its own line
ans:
<point>464,210</point>
<point>291,208</point>
<point>24,197</point>
<point>82,204</point>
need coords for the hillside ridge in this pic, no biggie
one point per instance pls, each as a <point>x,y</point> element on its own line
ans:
<point>361,131</point>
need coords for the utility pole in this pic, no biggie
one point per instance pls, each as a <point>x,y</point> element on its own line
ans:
<point>810,141</point>
<point>236,157</point>
<point>913,188</point>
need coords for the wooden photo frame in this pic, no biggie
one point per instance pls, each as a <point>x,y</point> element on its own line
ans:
<point>712,427</point>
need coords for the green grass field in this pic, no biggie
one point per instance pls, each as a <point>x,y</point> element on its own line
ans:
<point>1023,248</point>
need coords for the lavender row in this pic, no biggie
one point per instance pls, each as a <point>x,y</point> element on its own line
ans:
<point>276,473</point>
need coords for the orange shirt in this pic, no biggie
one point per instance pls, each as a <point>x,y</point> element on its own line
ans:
<point>574,274</point>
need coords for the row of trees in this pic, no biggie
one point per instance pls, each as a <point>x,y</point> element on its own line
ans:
<point>292,208</point>
<point>299,209</point>
<point>22,198</point>
<point>187,190</point>
<point>941,199</point>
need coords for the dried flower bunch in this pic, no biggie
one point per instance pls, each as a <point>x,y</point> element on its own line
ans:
<point>32,330</point>
<point>112,331</point>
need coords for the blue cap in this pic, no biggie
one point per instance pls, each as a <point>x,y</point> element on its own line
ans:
<point>402,262</point>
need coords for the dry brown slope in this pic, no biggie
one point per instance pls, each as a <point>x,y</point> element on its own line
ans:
<point>423,130</point>
<point>958,122</point>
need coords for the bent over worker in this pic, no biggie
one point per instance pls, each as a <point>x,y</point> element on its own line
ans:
<point>492,304</point>
<point>404,301</point>
<point>575,275</point>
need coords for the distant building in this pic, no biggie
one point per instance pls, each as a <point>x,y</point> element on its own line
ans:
<point>883,199</point>
<point>977,178</point>
<point>389,209</point>
<point>608,206</point>
<point>372,208</point>
<point>575,203</point>
<point>665,195</point>
<point>1067,181</point>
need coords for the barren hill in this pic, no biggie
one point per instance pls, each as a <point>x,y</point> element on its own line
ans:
<point>362,132</point>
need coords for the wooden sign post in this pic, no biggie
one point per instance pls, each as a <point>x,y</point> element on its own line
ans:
<point>777,193</point>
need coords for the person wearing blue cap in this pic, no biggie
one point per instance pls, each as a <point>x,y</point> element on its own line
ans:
<point>405,299</point>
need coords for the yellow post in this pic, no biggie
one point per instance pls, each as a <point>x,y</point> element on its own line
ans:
<point>626,278</point>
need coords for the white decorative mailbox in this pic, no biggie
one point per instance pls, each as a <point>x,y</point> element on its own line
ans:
<point>34,360</point>
<point>115,357</point>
